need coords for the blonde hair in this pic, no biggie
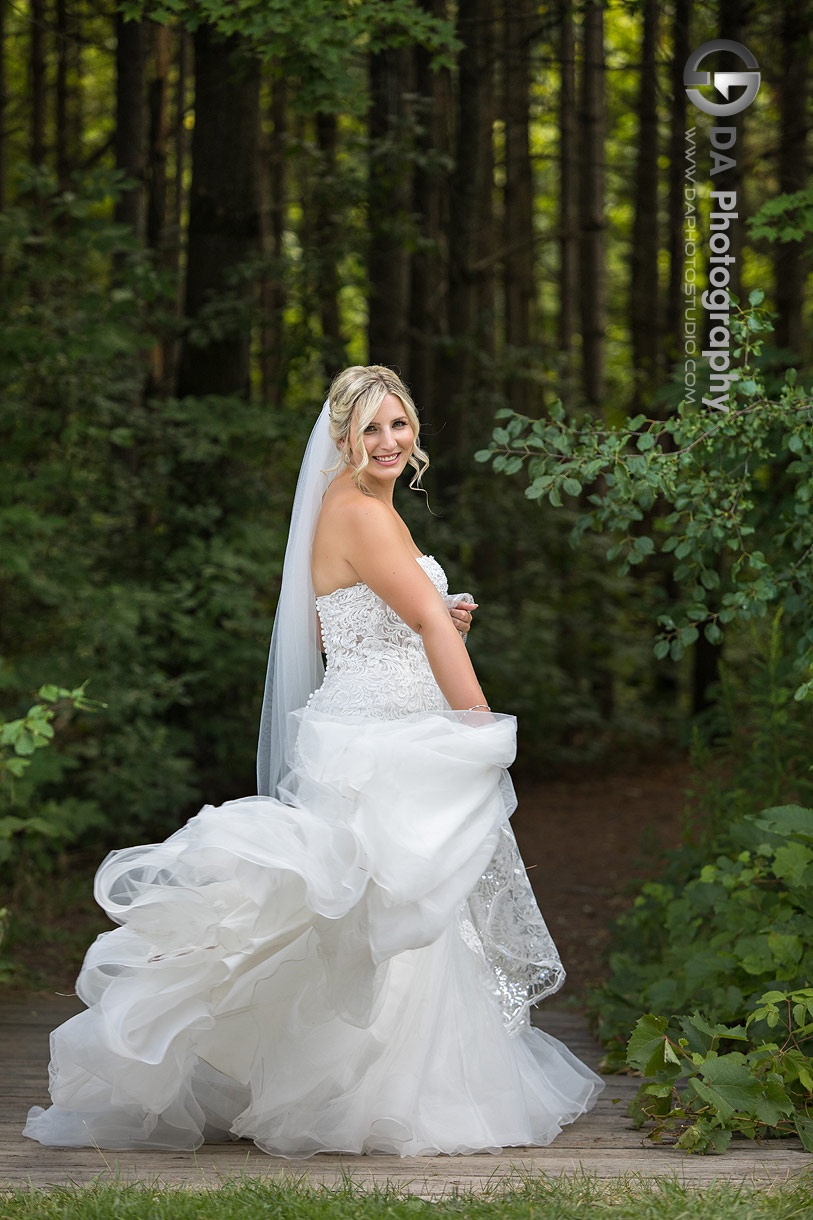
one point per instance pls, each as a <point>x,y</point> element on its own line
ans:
<point>355,396</point>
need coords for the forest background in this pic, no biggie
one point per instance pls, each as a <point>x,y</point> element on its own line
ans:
<point>207,209</point>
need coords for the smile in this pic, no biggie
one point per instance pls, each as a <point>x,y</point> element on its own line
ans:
<point>387,461</point>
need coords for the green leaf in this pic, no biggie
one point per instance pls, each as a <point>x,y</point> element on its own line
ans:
<point>756,296</point>
<point>712,633</point>
<point>482,455</point>
<point>661,649</point>
<point>790,862</point>
<point>572,486</point>
<point>645,441</point>
<point>787,820</point>
<point>24,742</point>
<point>646,1049</point>
<point>804,1129</point>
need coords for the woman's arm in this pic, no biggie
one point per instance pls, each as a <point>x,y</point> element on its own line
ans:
<point>375,547</point>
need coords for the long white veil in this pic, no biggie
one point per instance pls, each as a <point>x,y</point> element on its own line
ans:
<point>295,666</point>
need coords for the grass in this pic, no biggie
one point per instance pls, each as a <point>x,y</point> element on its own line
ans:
<point>542,1198</point>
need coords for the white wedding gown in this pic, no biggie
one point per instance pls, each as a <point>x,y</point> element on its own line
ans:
<point>348,968</point>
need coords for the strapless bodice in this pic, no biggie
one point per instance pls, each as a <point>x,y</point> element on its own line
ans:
<point>376,664</point>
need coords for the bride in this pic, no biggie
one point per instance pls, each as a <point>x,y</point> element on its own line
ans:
<point>346,961</point>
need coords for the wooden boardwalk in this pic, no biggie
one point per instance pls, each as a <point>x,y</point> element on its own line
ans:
<point>603,1144</point>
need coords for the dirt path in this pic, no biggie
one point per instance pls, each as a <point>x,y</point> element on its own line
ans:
<point>585,838</point>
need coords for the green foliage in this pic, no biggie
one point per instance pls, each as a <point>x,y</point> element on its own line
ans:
<point>784,218</point>
<point>750,749</point>
<point>723,497</point>
<point>316,42</point>
<point>139,538</point>
<point>714,941</point>
<point>706,1092</point>
<point>729,952</point>
<point>35,827</point>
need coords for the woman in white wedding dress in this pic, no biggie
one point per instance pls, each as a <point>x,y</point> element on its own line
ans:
<point>344,962</point>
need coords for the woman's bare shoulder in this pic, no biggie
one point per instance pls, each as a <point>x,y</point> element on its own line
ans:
<point>348,508</point>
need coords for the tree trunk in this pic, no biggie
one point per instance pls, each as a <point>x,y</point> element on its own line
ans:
<point>38,84</point>
<point>790,264</point>
<point>223,210</point>
<point>519,279</point>
<point>463,396</point>
<point>158,106</point>
<point>162,373</point>
<point>732,26</point>
<point>3,108</point>
<point>130,120</point>
<point>327,241</point>
<point>61,124</point>
<point>676,179</point>
<point>428,318</point>
<point>388,199</point>
<point>591,204</point>
<point>273,186</point>
<point>568,191</point>
<point>181,155</point>
<point>644,294</point>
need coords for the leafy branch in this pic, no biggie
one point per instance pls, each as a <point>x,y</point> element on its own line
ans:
<point>710,497</point>
<point>705,1093</point>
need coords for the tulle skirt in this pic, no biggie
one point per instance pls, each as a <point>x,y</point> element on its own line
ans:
<point>308,972</point>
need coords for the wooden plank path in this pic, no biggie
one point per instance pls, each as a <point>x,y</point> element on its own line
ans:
<point>603,1144</point>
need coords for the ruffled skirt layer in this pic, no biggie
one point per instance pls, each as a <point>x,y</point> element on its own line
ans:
<point>304,974</point>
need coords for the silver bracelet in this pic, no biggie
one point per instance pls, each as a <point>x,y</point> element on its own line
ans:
<point>484,706</point>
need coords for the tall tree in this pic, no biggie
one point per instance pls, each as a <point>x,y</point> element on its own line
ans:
<point>327,241</point>
<point>37,78</point>
<point>790,267</point>
<point>158,149</point>
<point>61,124</point>
<point>676,175</point>
<point>732,25</point>
<point>472,258</point>
<point>3,106</point>
<point>223,213</point>
<point>428,316</point>
<point>273,193</point>
<point>644,297</point>
<point>131,117</point>
<point>591,203</point>
<point>568,189</point>
<point>519,278</point>
<point>388,200</point>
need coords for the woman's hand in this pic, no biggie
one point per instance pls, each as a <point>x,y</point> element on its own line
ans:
<point>461,616</point>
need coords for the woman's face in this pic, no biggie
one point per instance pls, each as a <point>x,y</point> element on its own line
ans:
<point>388,439</point>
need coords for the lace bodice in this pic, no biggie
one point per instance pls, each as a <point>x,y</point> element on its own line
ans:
<point>376,664</point>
